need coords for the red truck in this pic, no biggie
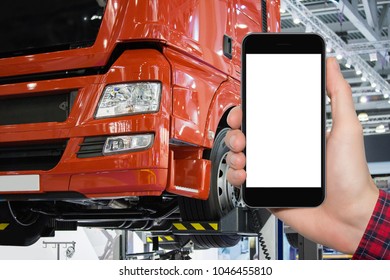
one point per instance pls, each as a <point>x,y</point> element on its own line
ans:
<point>113,113</point>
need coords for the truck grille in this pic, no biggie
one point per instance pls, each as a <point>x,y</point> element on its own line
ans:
<point>42,156</point>
<point>53,107</point>
<point>92,147</point>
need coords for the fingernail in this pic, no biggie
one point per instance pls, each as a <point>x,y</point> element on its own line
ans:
<point>232,141</point>
<point>233,160</point>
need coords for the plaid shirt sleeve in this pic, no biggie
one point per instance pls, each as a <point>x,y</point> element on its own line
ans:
<point>375,243</point>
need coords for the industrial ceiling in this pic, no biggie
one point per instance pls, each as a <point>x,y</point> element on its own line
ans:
<point>357,33</point>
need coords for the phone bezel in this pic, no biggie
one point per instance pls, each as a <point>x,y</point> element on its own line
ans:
<point>274,43</point>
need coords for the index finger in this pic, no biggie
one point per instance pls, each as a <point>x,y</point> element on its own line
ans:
<point>234,118</point>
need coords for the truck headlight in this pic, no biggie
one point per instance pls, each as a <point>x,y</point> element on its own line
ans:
<point>127,143</point>
<point>129,99</point>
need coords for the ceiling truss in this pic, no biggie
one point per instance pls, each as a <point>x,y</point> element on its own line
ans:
<point>365,62</point>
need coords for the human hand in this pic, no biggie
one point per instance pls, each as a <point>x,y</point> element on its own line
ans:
<point>351,193</point>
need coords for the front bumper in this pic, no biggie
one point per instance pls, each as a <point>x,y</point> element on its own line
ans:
<point>137,173</point>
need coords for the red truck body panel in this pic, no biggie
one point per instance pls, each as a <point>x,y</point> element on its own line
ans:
<point>199,85</point>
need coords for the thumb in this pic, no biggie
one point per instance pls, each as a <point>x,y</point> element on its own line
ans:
<point>339,91</point>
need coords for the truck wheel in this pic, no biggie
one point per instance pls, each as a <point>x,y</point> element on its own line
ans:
<point>19,226</point>
<point>222,199</point>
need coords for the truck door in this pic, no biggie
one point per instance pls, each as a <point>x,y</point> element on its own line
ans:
<point>248,18</point>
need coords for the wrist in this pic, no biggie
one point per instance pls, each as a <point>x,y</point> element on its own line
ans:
<point>363,210</point>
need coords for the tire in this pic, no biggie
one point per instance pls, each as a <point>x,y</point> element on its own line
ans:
<point>223,197</point>
<point>20,226</point>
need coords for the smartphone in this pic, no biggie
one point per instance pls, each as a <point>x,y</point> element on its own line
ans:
<point>283,102</point>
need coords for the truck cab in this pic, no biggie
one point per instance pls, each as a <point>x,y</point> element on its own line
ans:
<point>113,113</point>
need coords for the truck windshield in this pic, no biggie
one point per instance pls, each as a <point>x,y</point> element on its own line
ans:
<point>37,26</point>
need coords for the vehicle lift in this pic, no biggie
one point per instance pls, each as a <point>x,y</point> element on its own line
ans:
<point>233,223</point>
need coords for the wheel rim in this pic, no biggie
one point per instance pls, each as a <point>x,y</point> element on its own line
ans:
<point>229,196</point>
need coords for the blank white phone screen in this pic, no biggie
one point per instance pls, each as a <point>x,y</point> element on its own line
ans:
<point>283,120</point>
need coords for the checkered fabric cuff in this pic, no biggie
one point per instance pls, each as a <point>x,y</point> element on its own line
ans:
<point>375,243</point>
